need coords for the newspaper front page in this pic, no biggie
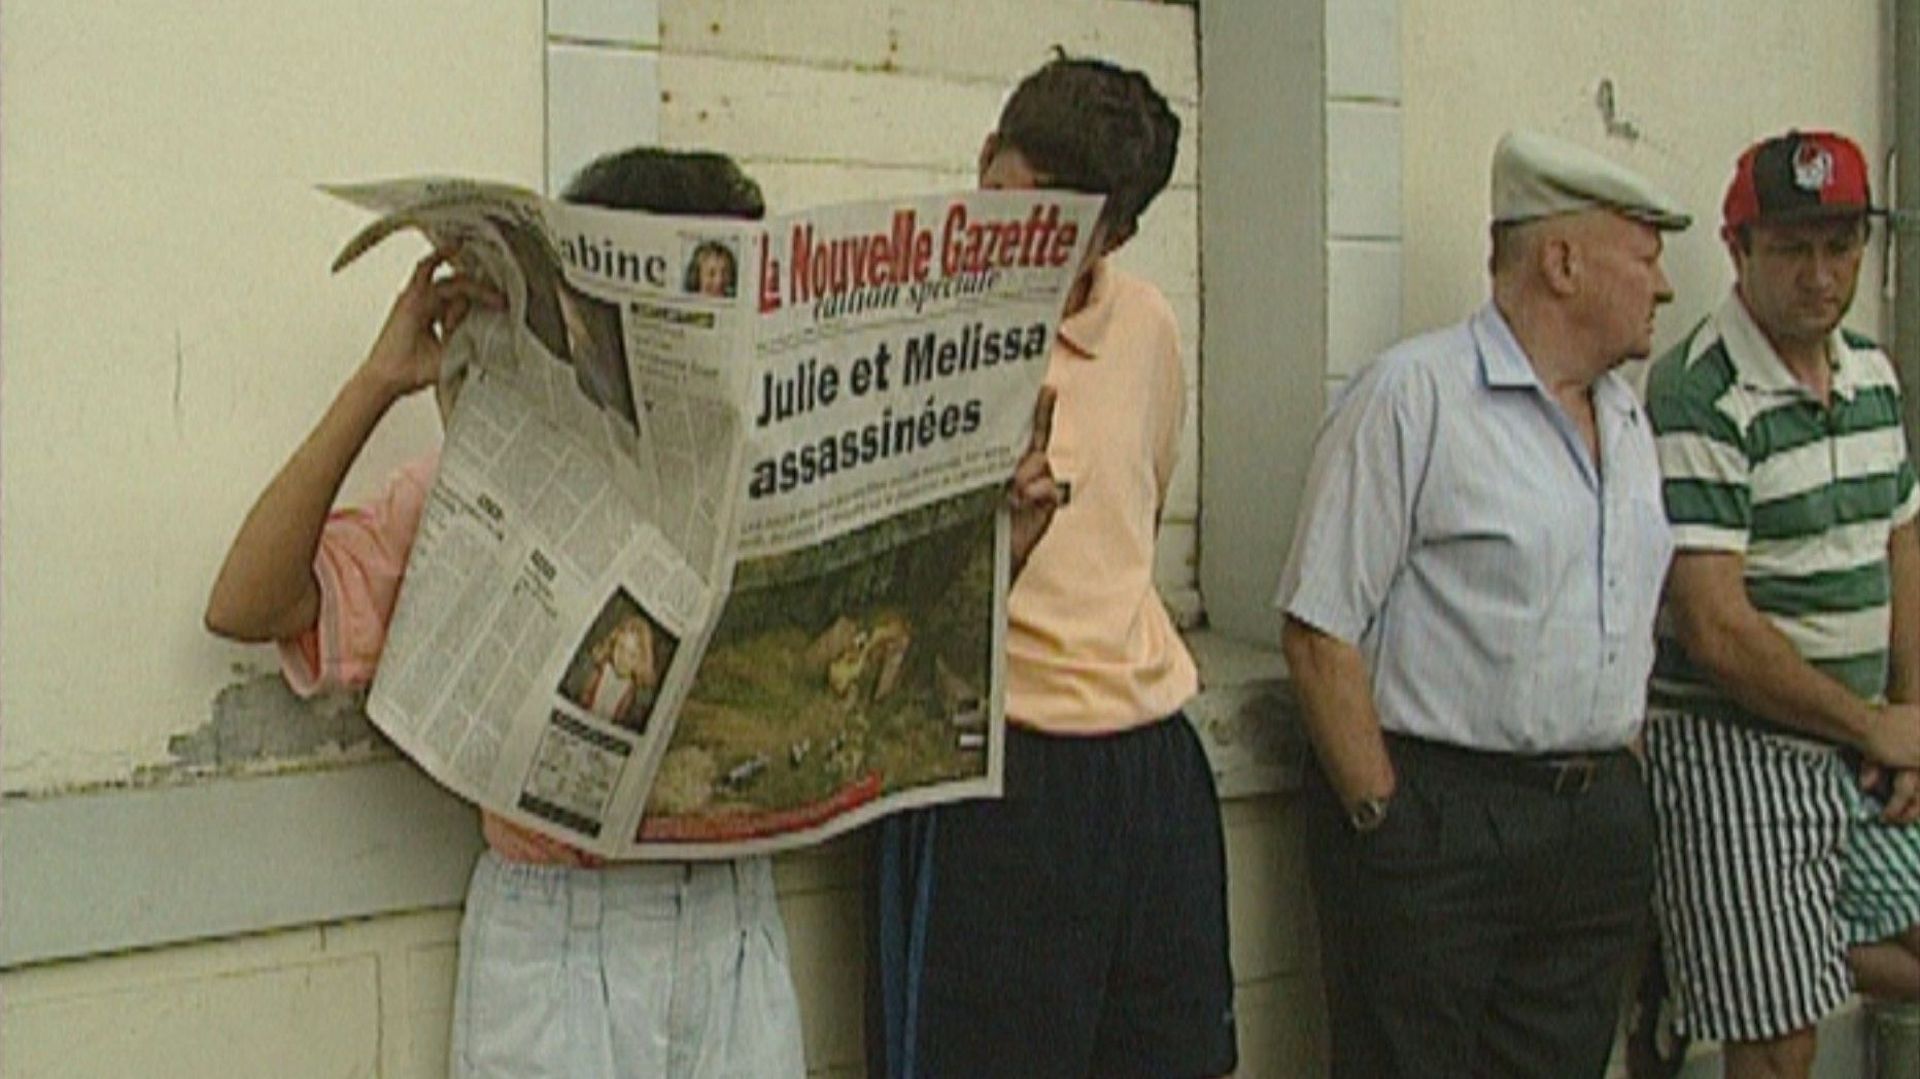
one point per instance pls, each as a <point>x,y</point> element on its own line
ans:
<point>716,560</point>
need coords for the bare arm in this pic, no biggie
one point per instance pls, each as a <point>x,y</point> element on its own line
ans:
<point>1903,656</point>
<point>1331,677</point>
<point>1903,558</point>
<point>1754,664</point>
<point>266,589</point>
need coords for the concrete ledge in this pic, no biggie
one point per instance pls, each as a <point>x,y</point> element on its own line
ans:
<point>116,870</point>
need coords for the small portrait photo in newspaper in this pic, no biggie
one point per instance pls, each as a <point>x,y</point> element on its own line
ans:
<point>713,269</point>
<point>615,672</point>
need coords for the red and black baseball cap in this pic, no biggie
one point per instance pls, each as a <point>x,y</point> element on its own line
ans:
<point>1798,176</point>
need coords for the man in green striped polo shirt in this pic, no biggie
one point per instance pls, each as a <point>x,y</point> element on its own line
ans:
<point>1784,733</point>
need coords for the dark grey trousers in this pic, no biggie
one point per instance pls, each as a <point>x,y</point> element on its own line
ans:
<point>1487,927</point>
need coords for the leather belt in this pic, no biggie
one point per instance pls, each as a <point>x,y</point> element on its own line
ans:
<point>1559,773</point>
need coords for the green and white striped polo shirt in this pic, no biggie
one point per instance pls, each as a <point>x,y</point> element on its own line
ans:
<point>1752,464</point>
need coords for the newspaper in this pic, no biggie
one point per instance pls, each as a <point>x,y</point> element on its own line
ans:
<point>716,561</point>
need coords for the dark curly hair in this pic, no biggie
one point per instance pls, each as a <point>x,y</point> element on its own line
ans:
<point>1094,126</point>
<point>697,183</point>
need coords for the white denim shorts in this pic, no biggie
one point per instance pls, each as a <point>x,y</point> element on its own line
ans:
<point>639,970</point>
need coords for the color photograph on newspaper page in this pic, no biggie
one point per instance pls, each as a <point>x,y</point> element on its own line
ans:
<point>715,560</point>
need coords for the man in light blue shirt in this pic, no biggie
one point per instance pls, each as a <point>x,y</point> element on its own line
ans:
<point>1469,611</point>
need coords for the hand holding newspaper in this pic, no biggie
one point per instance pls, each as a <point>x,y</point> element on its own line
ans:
<point>716,560</point>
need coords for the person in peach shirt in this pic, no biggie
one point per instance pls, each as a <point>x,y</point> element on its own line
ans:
<point>1077,926</point>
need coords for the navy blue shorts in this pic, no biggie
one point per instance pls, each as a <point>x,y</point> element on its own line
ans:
<point>1075,927</point>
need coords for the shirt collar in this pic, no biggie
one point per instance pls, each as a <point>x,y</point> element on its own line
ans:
<point>1759,367</point>
<point>1504,365</point>
<point>1085,331</point>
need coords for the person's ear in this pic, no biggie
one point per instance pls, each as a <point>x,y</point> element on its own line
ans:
<point>1738,248</point>
<point>1559,263</point>
<point>989,146</point>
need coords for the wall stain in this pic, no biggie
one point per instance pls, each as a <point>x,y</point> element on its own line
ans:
<point>1252,729</point>
<point>1618,127</point>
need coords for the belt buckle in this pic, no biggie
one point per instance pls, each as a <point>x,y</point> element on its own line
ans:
<point>1574,775</point>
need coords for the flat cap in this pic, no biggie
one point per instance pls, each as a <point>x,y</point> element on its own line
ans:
<point>1537,176</point>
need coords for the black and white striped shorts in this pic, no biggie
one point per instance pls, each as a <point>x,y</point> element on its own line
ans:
<point>1771,863</point>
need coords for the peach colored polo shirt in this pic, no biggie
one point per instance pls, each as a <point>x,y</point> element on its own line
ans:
<point>1090,645</point>
<point>360,562</point>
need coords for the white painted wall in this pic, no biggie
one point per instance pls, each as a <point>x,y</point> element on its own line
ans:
<point>1697,81</point>
<point>170,327</point>
<point>603,81</point>
<point>1301,235</point>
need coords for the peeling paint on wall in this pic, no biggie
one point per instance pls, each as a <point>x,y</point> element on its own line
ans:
<point>257,724</point>
<point>256,727</point>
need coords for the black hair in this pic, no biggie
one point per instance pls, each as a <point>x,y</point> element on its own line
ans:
<point>695,183</point>
<point>1093,126</point>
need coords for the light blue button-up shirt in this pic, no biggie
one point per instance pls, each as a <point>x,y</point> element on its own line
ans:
<point>1500,582</point>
